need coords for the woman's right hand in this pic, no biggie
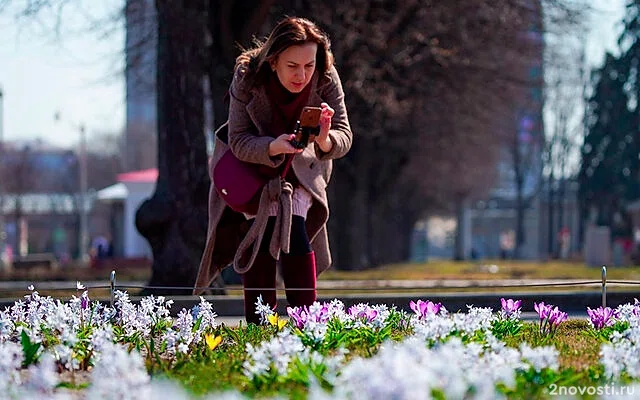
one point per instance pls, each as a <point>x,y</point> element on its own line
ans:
<point>282,145</point>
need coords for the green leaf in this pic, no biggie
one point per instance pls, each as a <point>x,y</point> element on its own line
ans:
<point>196,326</point>
<point>29,349</point>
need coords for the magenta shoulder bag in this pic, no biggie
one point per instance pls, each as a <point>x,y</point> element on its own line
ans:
<point>240,183</point>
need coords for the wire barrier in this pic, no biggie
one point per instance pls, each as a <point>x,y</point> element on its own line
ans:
<point>113,286</point>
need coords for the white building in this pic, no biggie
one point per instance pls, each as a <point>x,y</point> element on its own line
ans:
<point>126,196</point>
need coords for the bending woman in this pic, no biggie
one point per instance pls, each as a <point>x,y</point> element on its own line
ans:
<point>271,85</point>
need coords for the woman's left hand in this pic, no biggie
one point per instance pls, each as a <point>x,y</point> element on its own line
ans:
<point>325,125</point>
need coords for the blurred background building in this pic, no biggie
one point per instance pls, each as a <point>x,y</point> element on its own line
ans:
<point>140,133</point>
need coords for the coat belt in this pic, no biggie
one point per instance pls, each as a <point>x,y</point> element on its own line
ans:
<point>276,190</point>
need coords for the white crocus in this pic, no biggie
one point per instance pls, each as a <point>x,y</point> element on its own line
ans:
<point>278,353</point>
<point>42,378</point>
<point>622,354</point>
<point>204,310</point>
<point>119,375</point>
<point>540,357</point>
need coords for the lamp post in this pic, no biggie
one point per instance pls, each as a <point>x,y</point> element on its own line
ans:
<point>83,236</point>
<point>2,161</point>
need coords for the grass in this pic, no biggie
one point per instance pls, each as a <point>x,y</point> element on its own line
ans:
<point>222,370</point>
<point>578,350</point>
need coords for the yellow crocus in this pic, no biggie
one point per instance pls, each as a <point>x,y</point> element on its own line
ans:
<point>212,341</point>
<point>276,321</point>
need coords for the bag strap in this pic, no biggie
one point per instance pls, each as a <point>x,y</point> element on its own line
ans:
<point>287,165</point>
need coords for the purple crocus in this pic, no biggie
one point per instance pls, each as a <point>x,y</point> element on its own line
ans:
<point>556,316</point>
<point>364,312</point>
<point>84,301</point>
<point>543,309</point>
<point>299,316</point>
<point>550,317</point>
<point>317,313</point>
<point>424,308</point>
<point>510,307</point>
<point>602,317</point>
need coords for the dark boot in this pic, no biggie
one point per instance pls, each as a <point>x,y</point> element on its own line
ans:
<point>299,272</point>
<point>261,276</point>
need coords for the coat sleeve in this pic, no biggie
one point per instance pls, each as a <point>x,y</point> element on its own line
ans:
<point>340,133</point>
<point>244,141</point>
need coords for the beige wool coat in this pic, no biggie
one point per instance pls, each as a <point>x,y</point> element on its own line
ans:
<point>250,114</point>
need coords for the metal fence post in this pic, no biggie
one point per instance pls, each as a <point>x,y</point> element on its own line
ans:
<point>113,286</point>
<point>604,286</point>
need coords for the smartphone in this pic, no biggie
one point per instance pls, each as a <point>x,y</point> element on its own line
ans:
<point>310,117</point>
<point>308,127</point>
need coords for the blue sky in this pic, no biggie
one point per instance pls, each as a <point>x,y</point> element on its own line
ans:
<point>76,72</point>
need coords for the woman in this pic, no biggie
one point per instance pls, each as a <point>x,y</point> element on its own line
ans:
<point>271,84</point>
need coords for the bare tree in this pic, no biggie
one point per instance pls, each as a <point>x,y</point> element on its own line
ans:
<point>551,19</point>
<point>565,103</point>
<point>565,86</point>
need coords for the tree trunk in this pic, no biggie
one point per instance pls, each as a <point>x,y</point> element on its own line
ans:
<point>520,213</point>
<point>393,228</point>
<point>348,218</point>
<point>174,219</point>
<point>519,172</point>
<point>561,203</point>
<point>551,219</point>
<point>231,24</point>
<point>462,228</point>
<point>408,225</point>
<point>18,216</point>
<point>357,230</point>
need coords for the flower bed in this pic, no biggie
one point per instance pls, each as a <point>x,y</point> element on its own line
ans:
<point>79,349</point>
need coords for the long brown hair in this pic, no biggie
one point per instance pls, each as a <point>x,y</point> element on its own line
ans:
<point>290,31</point>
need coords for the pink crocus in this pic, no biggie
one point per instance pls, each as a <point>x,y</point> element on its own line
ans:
<point>423,308</point>
<point>601,317</point>
<point>510,307</point>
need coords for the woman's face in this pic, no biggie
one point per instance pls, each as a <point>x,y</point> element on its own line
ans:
<point>295,66</point>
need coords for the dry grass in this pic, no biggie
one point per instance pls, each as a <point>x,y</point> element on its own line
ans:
<point>76,273</point>
<point>577,349</point>
<point>440,269</point>
<point>506,269</point>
